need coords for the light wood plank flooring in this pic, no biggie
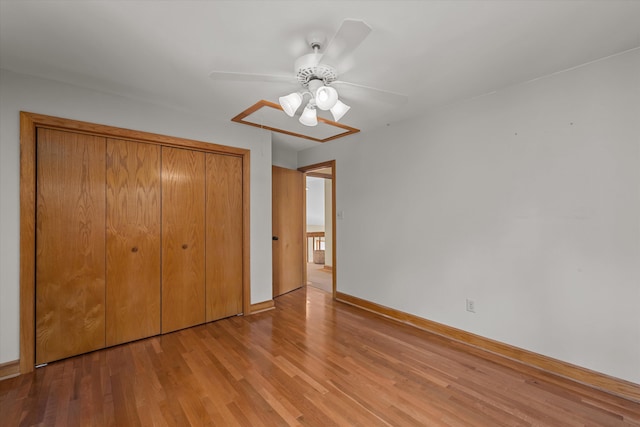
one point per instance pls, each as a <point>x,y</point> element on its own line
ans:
<point>319,278</point>
<point>310,362</point>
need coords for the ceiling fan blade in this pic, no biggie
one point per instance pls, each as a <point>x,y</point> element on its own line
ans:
<point>250,77</point>
<point>349,36</point>
<point>379,94</point>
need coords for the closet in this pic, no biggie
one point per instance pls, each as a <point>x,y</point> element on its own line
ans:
<point>70,245</point>
<point>183,229</point>
<point>132,239</point>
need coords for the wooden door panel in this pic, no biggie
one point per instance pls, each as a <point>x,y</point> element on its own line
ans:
<point>183,242</point>
<point>70,244</point>
<point>224,236</point>
<point>133,241</point>
<point>287,226</point>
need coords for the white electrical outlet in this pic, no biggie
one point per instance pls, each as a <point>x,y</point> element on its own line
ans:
<point>471,305</point>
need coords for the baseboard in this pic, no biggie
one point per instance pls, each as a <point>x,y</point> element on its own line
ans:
<point>9,369</point>
<point>260,307</point>
<point>617,386</point>
<point>327,267</point>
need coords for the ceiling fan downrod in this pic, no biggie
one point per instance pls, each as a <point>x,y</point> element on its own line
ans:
<point>308,67</point>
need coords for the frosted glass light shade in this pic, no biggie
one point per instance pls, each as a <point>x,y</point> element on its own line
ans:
<point>290,103</point>
<point>339,110</point>
<point>309,117</point>
<point>326,97</point>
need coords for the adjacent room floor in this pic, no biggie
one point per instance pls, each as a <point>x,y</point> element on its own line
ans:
<point>319,277</point>
<point>309,362</point>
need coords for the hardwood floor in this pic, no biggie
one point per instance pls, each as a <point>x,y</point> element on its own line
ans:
<point>319,278</point>
<point>310,362</point>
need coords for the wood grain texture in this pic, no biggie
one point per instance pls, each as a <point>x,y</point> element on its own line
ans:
<point>9,369</point>
<point>310,362</point>
<point>27,241</point>
<point>183,241</point>
<point>70,245</point>
<point>259,307</point>
<point>224,221</point>
<point>288,225</point>
<point>242,118</point>
<point>246,233</point>
<point>617,386</point>
<point>77,126</point>
<point>133,241</point>
<point>29,123</point>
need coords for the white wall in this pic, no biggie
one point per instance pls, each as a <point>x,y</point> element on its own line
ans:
<point>284,158</point>
<point>526,201</point>
<point>36,95</point>
<point>315,202</point>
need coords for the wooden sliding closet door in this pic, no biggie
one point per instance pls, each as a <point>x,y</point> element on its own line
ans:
<point>70,244</point>
<point>224,236</point>
<point>183,242</point>
<point>133,241</point>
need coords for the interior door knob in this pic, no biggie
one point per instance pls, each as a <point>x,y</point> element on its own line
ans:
<point>275,238</point>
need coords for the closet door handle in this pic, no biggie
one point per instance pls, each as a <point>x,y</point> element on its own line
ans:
<point>134,249</point>
<point>185,246</point>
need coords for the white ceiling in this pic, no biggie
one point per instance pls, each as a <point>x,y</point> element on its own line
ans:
<point>437,52</point>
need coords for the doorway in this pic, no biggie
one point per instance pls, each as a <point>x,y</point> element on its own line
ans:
<point>320,229</point>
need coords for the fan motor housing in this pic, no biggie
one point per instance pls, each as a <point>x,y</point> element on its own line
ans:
<point>309,68</point>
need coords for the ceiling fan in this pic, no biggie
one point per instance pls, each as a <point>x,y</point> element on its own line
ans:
<point>317,74</point>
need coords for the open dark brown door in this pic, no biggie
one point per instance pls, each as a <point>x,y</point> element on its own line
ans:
<point>288,227</point>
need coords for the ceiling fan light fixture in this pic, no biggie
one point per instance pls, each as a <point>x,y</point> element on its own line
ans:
<point>290,103</point>
<point>339,110</point>
<point>309,116</point>
<point>326,97</point>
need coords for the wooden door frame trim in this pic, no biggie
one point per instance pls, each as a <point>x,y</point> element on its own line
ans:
<point>306,169</point>
<point>29,122</point>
